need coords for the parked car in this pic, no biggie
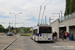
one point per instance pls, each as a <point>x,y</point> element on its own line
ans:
<point>9,34</point>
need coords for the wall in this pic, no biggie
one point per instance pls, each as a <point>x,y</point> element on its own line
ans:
<point>55,26</point>
<point>65,23</point>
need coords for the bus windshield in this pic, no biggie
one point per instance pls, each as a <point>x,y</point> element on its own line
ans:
<point>45,30</point>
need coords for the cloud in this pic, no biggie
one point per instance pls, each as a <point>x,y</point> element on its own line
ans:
<point>29,9</point>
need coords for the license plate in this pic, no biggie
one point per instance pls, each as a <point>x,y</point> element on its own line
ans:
<point>49,38</point>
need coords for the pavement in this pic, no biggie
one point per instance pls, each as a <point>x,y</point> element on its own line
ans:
<point>67,43</point>
<point>25,43</point>
<point>1,34</point>
<point>17,45</point>
<point>5,40</point>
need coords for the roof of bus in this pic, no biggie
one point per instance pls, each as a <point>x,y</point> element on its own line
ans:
<point>35,27</point>
<point>40,26</point>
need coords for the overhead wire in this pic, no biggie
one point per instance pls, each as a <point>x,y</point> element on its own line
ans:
<point>43,12</point>
<point>41,5</point>
<point>49,2</point>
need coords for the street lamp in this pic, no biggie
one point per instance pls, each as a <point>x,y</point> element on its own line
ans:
<point>15,19</point>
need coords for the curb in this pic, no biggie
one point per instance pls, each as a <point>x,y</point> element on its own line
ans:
<point>63,45</point>
<point>9,44</point>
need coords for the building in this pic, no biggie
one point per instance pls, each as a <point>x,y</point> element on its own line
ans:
<point>66,23</point>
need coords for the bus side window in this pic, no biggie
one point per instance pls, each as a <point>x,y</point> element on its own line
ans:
<point>35,32</point>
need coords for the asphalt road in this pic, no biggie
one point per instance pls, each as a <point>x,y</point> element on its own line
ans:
<point>3,36</point>
<point>25,43</point>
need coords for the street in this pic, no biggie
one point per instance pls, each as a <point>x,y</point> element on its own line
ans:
<point>25,43</point>
<point>37,24</point>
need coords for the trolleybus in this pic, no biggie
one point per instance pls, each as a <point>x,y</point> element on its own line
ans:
<point>41,33</point>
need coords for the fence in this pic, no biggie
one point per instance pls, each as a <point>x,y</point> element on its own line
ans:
<point>67,17</point>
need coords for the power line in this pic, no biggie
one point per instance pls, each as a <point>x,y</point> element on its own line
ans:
<point>43,2</point>
<point>48,2</point>
<point>41,5</point>
<point>43,11</point>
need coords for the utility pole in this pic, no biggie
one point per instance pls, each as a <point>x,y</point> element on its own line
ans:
<point>61,15</point>
<point>50,20</point>
<point>15,19</point>
<point>45,20</point>
<point>12,23</point>
<point>9,26</point>
<point>15,23</point>
<point>32,32</point>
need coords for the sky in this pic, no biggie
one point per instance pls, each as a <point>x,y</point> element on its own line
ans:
<point>30,10</point>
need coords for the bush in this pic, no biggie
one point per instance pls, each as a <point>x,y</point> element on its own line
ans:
<point>24,35</point>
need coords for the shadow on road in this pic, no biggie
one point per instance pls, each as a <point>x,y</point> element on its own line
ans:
<point>41,42</point>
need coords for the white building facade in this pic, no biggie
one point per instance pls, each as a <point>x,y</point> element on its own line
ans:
<point>65,24</point>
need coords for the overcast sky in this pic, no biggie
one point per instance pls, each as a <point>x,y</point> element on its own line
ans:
<point>29,10</point>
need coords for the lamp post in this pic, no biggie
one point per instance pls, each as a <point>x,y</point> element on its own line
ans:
<point>15,19</point>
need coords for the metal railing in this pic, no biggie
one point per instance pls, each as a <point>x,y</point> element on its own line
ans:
<point>67,17</point>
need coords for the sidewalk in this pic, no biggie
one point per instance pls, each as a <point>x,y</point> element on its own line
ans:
<point>5,41</point>
<point>1,34</point>
<point>18,44</point>
<point>66,43</point>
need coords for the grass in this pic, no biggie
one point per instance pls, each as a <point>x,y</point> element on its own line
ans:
<point>24,35</point>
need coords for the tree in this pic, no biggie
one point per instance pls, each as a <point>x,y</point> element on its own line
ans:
<point>72,6</point>
<point>6,30</point>
<point>27,30</point>
<point>1,28</point>
<point>67,7</point>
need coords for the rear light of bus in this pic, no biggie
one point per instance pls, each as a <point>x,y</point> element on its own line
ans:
<point>37,37</point>
<point>52,37</point>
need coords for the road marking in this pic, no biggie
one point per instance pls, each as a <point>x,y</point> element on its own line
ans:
<point>64,45</point>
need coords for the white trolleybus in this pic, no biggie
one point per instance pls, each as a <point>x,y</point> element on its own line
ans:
<point>41,33</point>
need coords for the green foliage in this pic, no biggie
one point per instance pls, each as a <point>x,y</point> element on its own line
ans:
<point>6,30</point>
<point>27,30</point>
<point>1,28</point>
<point>67,7</point>
<point>24,35</point>
<point>70,7</point>
<point>18,30</point>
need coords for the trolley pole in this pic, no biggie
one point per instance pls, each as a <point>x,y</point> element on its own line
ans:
<point>39,16</point>
<point>9,26</point>
<point>43,14</point>
<point>32,32</point>
<point>45,20</point>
